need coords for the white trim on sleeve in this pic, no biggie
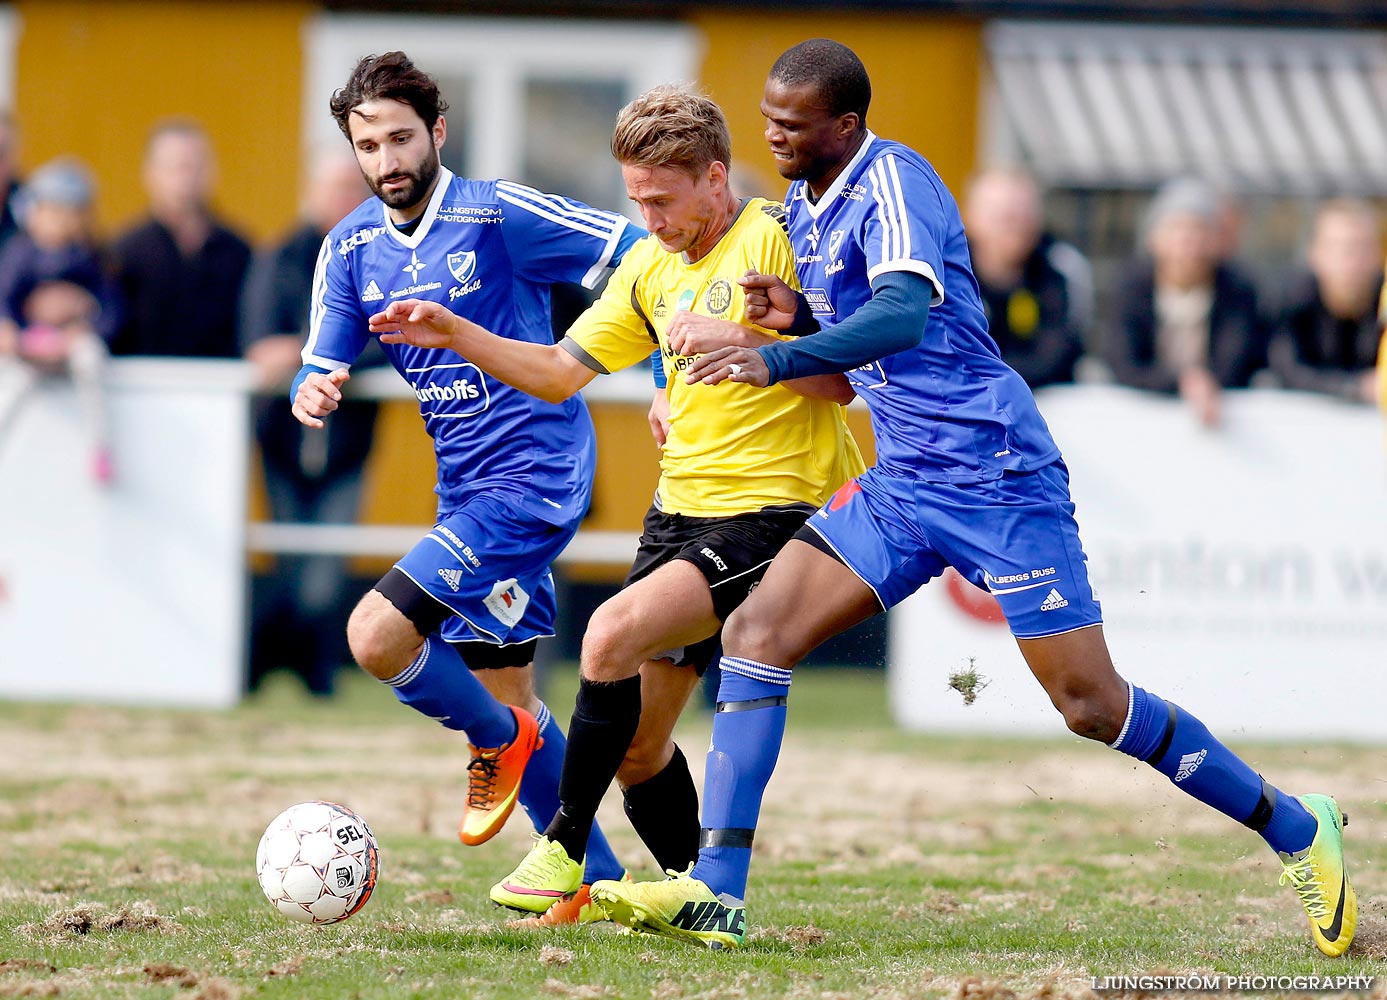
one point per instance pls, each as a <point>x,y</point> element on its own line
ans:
<point>914,267</point>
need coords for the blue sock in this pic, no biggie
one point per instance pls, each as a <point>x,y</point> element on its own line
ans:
<point>747,732</point>
<point>439,685</point>
<point>1180,747</point>
<point>539,794</point>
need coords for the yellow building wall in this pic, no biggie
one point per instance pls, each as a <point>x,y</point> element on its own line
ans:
<point>925,73</point>
<point>94,75</point>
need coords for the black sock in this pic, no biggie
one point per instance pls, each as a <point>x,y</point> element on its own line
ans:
<point>605,717</point>
<point>664,811</point>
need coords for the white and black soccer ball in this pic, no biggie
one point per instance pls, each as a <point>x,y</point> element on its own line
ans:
<point>317,862</point>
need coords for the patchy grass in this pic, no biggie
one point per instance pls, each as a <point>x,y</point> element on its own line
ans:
<point>889,865</point>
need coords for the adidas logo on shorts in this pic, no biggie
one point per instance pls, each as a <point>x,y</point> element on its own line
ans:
<point>452,577</point>
<point>1053,601</point>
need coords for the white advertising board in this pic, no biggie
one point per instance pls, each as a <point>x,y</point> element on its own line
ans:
<point>134,592</point>
<point>1242,571</point>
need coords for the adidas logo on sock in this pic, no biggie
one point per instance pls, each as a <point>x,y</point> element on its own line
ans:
<point>374,294</point>
<point>452,577</point>
<point>1188,763</point>
<point>1053,601</point>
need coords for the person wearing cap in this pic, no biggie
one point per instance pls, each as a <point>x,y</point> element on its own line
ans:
<point>1187,319</point>
<point>59,307</point>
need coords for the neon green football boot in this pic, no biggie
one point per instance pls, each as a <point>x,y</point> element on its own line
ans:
<point>680,907</point>
<point>546,876</point>
<point>1320,880</point>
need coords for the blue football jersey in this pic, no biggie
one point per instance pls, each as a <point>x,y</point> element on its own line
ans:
<point>488,250</point>
<point>949,410</point>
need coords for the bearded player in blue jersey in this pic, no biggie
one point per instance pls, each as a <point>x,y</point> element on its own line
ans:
<point>452,627</point>
<point>967,475</point>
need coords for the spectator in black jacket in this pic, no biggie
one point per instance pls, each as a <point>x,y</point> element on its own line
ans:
<point>1187,320</point>
<point>1036,290</point>
<point>310,476</point>
<point>1327,331</point>
<point>181,271</point>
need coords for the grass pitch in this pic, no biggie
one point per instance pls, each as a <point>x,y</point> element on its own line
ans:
<point>888,865</point>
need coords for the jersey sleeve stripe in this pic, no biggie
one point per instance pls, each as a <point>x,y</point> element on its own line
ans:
<point>890,210</point>
<point>555,202</point>
<point>317,305</point>
<point>599,224</point>
<point>603,266</point>
<point>898,195</point>
<point>888,231</point>
<point>575,224</point>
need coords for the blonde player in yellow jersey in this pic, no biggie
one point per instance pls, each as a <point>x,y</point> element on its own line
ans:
<point>741,470</point>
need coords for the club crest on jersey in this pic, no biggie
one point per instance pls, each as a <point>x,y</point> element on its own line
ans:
<point>507,601</point>
<point>835,241</point>
<point>718,297</point>
<point>462,265</point>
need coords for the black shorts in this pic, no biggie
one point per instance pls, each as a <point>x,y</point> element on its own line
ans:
<point>731,552</point>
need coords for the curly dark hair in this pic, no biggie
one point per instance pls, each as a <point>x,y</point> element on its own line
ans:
<point>390,77</point>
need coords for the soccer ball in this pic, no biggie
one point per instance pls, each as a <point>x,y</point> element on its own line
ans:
<point>317,862</point>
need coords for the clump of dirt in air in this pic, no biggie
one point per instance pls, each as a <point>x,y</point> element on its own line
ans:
<point>969,683</point>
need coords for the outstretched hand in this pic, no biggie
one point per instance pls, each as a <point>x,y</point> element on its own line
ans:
<point>738,364</point>
<point>770,303</point>
<point>415,322</point>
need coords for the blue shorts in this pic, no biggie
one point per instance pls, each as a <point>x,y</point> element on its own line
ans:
<point>489,562</point>
<point>1015,537</point>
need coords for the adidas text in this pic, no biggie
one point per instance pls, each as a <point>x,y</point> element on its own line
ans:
<point>1188,763</point>
<point>1053,601</point>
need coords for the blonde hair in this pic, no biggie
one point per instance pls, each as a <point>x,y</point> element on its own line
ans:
<point>672,126</point>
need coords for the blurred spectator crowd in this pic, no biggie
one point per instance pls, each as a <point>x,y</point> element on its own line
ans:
<point>1185,320</point>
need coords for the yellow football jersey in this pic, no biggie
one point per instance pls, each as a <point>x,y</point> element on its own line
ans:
<point>732,448</point>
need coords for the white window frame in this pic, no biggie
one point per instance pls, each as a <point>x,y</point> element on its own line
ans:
<point>11,27</point>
